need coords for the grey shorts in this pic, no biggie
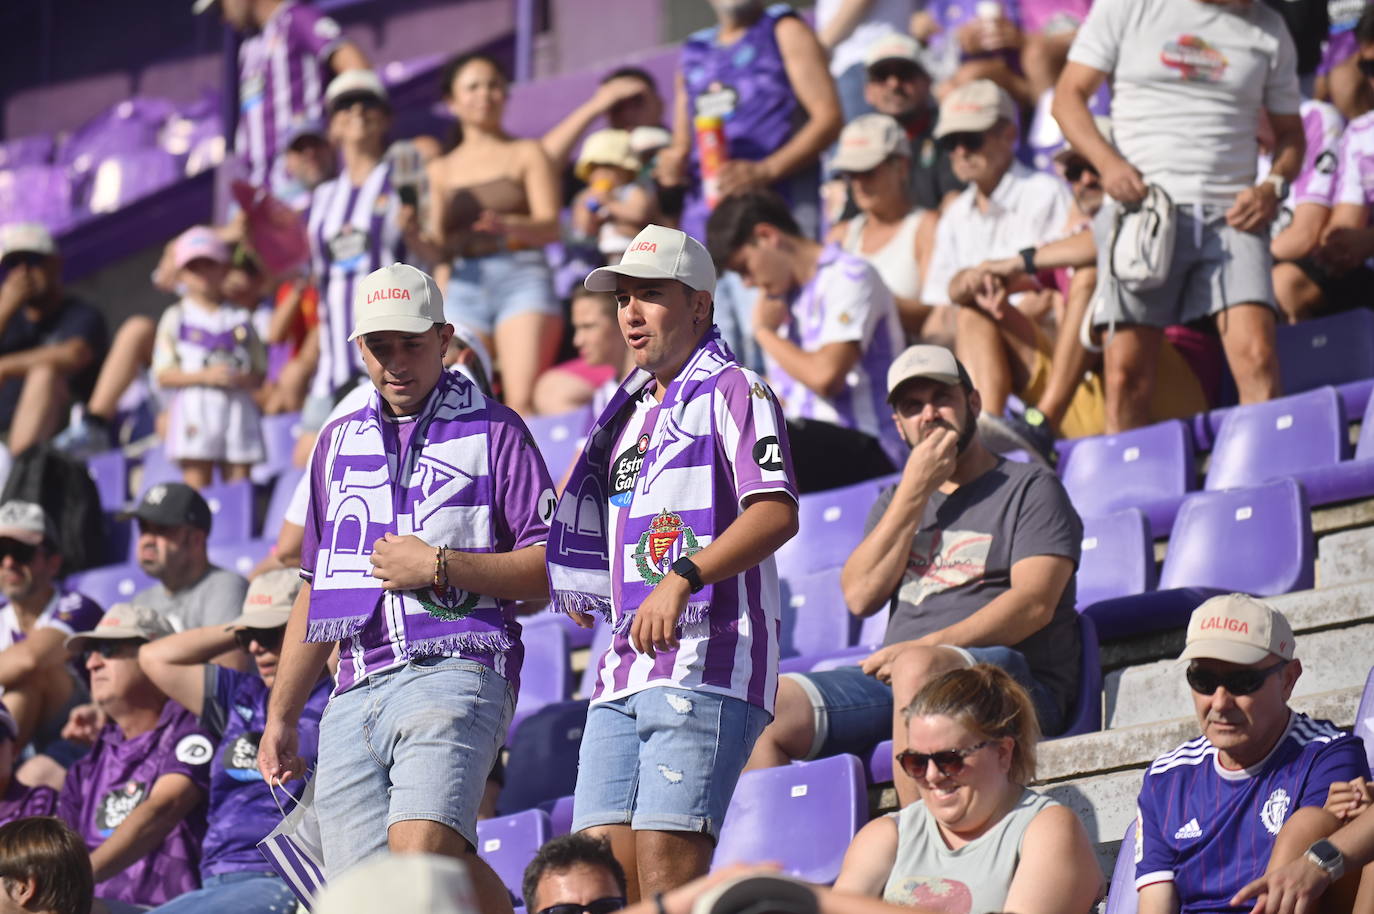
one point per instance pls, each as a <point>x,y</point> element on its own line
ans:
<point>1215,267</point>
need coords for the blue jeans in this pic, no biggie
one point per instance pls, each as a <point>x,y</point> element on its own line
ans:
<point>483,292</point>
<point>664,759</point>
<point>235,893</point>
<point>413,742</point>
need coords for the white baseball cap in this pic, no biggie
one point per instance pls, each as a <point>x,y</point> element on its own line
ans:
<point>269,600</point>
<point>350,82</point>
<point>1238,628</point>
<point>926,361</point>
<point>29,237</point>
<point>659,253</point>
<point>26,522</point>
<point>398,297</point>
<point>973,108</point>
<point>893,46</point>
<point>401,882</point>
<point>867,141</point>
<point>123,621</point>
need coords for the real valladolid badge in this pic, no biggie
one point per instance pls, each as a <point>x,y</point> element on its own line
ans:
<point>652,557</point>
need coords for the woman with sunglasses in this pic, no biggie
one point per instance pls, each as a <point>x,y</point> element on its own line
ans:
<point>196,669</point>
<point>977,840</point>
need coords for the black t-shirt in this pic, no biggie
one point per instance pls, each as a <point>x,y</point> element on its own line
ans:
<point>72,318</point>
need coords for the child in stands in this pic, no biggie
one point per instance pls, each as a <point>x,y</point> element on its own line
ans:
<point>615,204</point>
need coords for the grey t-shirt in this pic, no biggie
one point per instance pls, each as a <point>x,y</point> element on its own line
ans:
<point>961,560</point>
<point>215,599</point>
<point>1189,80</point>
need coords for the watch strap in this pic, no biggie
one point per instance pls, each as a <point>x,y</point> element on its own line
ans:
<point>687,569</point>
<point>1279,183</point>
<point>1327,857</point>
<point>1028,260</point>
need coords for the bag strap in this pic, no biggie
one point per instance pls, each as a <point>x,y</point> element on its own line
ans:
<point>272,787</point>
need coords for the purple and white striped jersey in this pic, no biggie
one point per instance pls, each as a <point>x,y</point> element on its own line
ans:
<point>283,71</point>
<point>1355,169</point>
<point>740,659</point>
<point>1210,830</point>
<point>845,302</point>
<point>354,230</point>
<point>1322,126</point>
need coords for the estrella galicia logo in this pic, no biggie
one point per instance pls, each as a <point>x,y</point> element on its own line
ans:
<point>768,453</point>
<point>240,757</point>
<point>116,805</point>
<point>625,472</point>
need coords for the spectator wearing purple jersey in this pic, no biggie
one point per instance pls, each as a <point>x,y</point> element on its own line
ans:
<point>666,530</point>
<point>19,800</point>
<point>427,517</point>
<point>1248,794</point>
<point>828,328</point>
<point>44,868</point>
<point>138,797</point>
<point>40,687</point>
<point>232,706</point>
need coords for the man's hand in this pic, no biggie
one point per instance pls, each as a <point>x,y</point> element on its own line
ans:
<point>932,460</point>
<point>277,753</point>
<point>15,290</point>
<point>738,176</point>
<point>1123,183</point>
<point>1347,799</point>
<point>879,663</point>
<point>655,624</point>
<point>1342,248</point>
<point>1003,268</point>
<point>403,562</point>
<point>84,724</point>
<point>614,91</point>
<point>991,296</point>
<point>582,620</point>
<point>1290,889</point>
<point>1255,207</point>
<point>769,313</point>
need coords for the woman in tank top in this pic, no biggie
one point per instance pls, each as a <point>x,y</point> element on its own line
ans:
<point>977,840</point>
<point>493,207</point>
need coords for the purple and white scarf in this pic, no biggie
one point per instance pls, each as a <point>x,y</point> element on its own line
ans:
<point>439,489</point>
<point>659,528</point>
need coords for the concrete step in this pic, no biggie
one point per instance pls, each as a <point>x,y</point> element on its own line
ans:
<point>1345,558</point>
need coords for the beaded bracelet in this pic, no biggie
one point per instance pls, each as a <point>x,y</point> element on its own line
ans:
<point>438,565</point>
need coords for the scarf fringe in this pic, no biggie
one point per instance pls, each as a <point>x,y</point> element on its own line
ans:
<point>320,630</point>
<point>492,642</point>
<point>696,616</point>
<point>574,601</point>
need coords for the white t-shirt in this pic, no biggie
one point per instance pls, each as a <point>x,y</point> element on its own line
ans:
<point>1189,80</point>
<point>881,17</point>
<point>1355,171</point>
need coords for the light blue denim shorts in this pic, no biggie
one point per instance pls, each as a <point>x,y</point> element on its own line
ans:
<point>484,292</point>
<point>664,759</point>
<point>414,742</point>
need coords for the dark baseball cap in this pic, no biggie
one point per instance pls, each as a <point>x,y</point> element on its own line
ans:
<point>172,504</point>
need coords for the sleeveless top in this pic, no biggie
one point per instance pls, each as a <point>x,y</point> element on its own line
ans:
<point>894,261</point>
<point>973,879</point>
<point>503,196</point>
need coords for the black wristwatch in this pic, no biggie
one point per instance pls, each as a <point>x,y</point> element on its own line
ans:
<point>1028,260</point>
<point>686,568</point>
<point>1327,857</point>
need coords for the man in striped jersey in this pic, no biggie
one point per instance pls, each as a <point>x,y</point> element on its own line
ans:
<point>1248,793</point>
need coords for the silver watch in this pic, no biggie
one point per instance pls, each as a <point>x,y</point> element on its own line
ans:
<point>1327,857</point>
<point>1280,184</point>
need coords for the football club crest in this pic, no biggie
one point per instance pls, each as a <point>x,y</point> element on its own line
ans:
<point>666,540</point>
<point>459,604</point>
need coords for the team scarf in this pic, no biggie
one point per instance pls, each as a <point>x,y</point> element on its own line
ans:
<point>439,494</point>
<point>659,530</point>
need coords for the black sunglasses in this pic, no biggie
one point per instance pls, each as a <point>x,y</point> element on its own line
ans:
<point>26,258</point>
<point>905,71</point>
<point>111,649</point>
<point>1366,65</point>
<point>949,762</point>
<point>972,142</point>
<point>1075,169</point>
<point>22,553</point>
<point>599,906</point>
<point>269,638</point>
<point>1237,682</point>
<point>349,99</point>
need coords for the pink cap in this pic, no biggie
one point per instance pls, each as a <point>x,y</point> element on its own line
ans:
<point>197,242</point>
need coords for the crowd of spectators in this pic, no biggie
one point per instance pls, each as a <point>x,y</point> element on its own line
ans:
<point>856,242</point>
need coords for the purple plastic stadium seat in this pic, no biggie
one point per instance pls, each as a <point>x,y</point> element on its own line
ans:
<point>601,641</point>
<point>814,617</point>
<point>1349,478</point>
<point>36,193</point>
<point>879,764</point>
<point>1118,557</point>
<point>545,673</point>
<point>560,815</point>
<point>825,800</point>
<point>559,438</point>
<point>157,468</point>
<point>1123,899</point>
<point>282,489</point>
<point>231,511</point>
<point>542,765</point>
<point>110,471</point>
<point>26,150</point>
<point>1086,716</point>
<point>120,179</point>
<point>1262,441</point>
<point>111,584</point>
<point>1338,350</point>
<point>873,629</point>
<point>129,126</point>
<point>509,843</point>
<point>1364,717</point>
<point>1149,468</point>
<point>239,558</point>
<point>831,525</point>
<point>279,435</point>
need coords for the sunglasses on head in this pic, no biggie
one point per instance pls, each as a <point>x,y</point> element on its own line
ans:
<point>269,638</point>
<point>599,906</point>
<point>1237,682</point>
<point>972,142</point>
<point>949,762</point>
<point>881,73</point>
<point>122,647</point>
<point>1075,169</point>
<point>22,553</point>
<point>1366,65</point>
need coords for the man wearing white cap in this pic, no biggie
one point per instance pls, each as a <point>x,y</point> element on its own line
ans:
<point>666,530</point>
<point>1248,793</point>
<point>428,514</point>
<point>51,343</point>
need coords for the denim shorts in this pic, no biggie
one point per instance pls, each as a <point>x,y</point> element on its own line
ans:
<point>413,742</point>
<point>664,759</point>
<point>235,893</point>
<point>483,292</point>
<point>852,711</point>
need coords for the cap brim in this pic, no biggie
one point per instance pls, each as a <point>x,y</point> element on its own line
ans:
<point>969,123</point>
<point>22,534</point>
<point>603,279</point>
<point>859,161</point>
<point>399,323</point>
<point>951,380</point>
<point>1228,651</point>
<point>261,618</point>
<point>201,6</point>
<point>113,633</point>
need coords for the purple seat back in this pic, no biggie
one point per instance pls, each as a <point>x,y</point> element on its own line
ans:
<point>1109,472</point>
<point>118,180</point>
<point>26,150</point>
<point>240,558</point>
<point>836,659</point>
<point>1255,540</point>
<point>279,435</point>
<point>129,126</point>
<point>545,673</point>
<point>1261,441</point>
<point>601,641</point>
<point>509,843</point>
<point>559,438</point>
<point>231,511</point>
<point>282,489</point>
<point>825,800</point>
<point>1326,350</point>
<point>110,471</point>
<point>831,525</point>
<point>1118,557</point>
<point>560,815</point>
<point>111,584</point>
<point>1087,707</point>
<point>1364,447</point>
<point>881,763</point>
<point>814,617</point>
<point>542,765</point>
<point>1122,898</point>
<point>157,468</point>
<point>36,193</point>
<point>1364,718</point>
<point>873,629</point>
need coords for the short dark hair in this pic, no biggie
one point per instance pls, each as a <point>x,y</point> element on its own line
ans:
<point>734,219</point>
<point>45,850</point>
<point>455,65</point>
<point>1364,29</point>
<point>605,299</point>
<point>564,853</point>
<point>638,73</point>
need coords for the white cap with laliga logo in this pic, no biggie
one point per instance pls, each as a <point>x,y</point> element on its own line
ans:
<point>659,253</point>
<point>398,297</point>
<point>1237,628</point>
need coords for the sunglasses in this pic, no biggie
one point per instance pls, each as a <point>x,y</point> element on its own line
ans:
<point>110,650</point>
<point>949,762</point>
<point>366,99</point>
<point>22,553</point>
<point>906,72</point>
<point>1366,65</point>
<point>599,906</point>
<point>972,142</point>
<point>1237,682</point>
<point>1074,170</point>
<point>269,638</point>
<point>25,258</point>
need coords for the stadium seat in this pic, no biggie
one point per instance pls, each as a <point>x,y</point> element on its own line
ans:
<point>123,178</point>
<point>559,438</point>
<point>878,765</point>
<point>231,510</point>
<point>1350,478</point>
<point>1149,468</point>
<point>825,800</point>
<point>1118,557</point>
<point>241,557</point>
<point>831,524</point>
<point>1122,898</point>
<point>814,617</point>
<point>121,540</point>
<point>509,843</point>
<point>1266,531</point>
<point>542,764</point>
<point>1087,706</point>
<point>545,674</point>
<point>110,471</point>
<point>282,488</point>
<point>873,629</point>
<point>1262,441</point>
<point>130,126</point>
<point>36,149</point>
<point>560,815</point>
<point>279,435</point>
<point>111,584</point>
<point>601,640</point>
<point>36,193</point>
<point>158,468</point>
<point>1337,350</point>
<point>1364,718</point>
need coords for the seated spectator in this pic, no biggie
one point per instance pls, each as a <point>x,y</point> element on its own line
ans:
<point>92,429</point>
<point>828,328</point>
<point>232,706</point>
<point>1340,79</point>
<point>494,204</point>
<point>890,230</point>
<point>627,97</point>
<point>39,686</point>
<point>138,798</point>
<point>208,359</point>
<point>603,360</point>
<point>51,343</point>
<point>977,832</point>
<point>847,29</point>
<point>44,868</point>
<point>293,333</point>
<point>308,161</point>
<point>989,44</point>
<point>173,522</point>
<point>973,555</point>
<point>574,871</point>
<point>614,205</point>
<point>19,800</point>
<point>1246,796</point>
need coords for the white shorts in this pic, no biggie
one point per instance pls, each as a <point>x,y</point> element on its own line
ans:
<point>206,423</point>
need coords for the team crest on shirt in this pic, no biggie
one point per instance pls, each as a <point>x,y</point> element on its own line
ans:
<point>457,604</point>
<point>667,540</point>
<point>1194,59</point>
<point>1275,810</point>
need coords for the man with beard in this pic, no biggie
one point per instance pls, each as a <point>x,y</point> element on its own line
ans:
<point>975,558</point>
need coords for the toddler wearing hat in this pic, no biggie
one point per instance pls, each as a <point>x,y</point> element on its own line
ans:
<point>615,204</point>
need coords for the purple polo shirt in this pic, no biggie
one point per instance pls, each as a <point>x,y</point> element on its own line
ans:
<point>21,801</point>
